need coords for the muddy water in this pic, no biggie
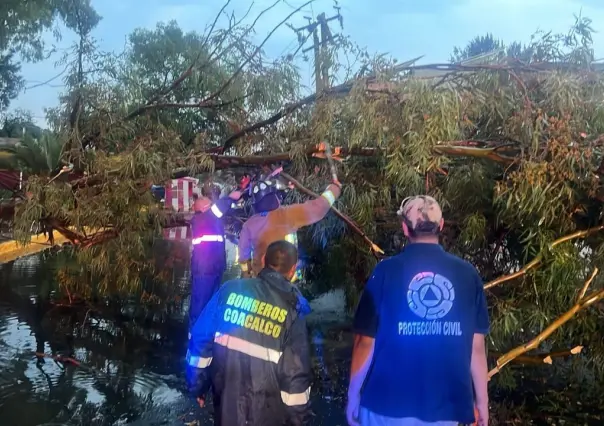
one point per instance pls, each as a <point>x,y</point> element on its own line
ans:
<point>130,360</point>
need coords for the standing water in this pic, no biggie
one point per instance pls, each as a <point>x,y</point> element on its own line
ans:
<point>126,364</point>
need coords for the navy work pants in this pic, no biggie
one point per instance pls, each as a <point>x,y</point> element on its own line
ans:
<point>203,287</point>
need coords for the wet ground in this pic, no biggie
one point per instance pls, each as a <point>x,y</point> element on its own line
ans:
<point>124,367</point>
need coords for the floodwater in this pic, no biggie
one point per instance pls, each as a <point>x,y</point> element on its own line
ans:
<point>130,361</point>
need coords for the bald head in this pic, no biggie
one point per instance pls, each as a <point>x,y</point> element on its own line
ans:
<point>202,204</point>
<point>282,256</point>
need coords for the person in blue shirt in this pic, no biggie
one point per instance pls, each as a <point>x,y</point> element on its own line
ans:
<point>419,355</point>
<point>208,257</point>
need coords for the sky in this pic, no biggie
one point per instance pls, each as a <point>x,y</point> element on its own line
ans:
<point>403,28</point>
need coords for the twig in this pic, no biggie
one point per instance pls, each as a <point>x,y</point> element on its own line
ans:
<point>202,104</point>
<point>211,30</point>
<point>537,359</point>
<point>537,260</point>
<point>229,30</point>
<point>375,249</point>
<point>532,344</point>
<point>258,49</point>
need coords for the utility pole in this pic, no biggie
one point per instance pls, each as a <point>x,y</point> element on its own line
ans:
<point>322,36</point>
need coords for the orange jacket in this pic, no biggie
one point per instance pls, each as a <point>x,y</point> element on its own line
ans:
<point>260,230</point>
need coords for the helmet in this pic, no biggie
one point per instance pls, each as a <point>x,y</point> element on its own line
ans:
<point>261,189</point>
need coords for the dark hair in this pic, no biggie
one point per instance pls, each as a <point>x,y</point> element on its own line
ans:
<point>282,256</point>
<point>422,228</point>
<point>211,191</point>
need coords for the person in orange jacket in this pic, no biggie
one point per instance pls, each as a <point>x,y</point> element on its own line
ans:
<point>273,222</point>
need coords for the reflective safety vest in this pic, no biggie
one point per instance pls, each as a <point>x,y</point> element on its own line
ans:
<point>254,337</point>
<point>207,238</point>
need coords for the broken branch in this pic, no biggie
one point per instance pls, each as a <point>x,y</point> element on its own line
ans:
<point>375,249</point>
<point>537,260</point>
<point>538,359</point>
<point>559,322</point>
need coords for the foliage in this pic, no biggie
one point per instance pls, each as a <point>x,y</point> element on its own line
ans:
<point>31,155</point>
<point>19,124</point>
<point>156,58</point>
<point>135,142</point>
<point>24,23</point>
<point>39,151</point>
<point>10,80</point>
<point>511,151</point>
<point>574,46</point>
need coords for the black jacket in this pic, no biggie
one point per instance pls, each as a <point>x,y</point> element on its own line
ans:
<point>251,344</point>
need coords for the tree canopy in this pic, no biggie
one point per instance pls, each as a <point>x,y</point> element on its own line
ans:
<point>510,145</point>
<point>22,35</point>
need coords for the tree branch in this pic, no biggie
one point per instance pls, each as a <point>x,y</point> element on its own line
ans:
<point>375,249</point>
<point>287,110</point>
<point>201,105</point>
<point>581,304</point>
<point>539,258</point>
<point>539,359</point>
<point>346,87</point>
<point>258,49</point>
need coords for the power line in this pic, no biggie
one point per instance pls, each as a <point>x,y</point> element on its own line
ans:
<point>319,30</point>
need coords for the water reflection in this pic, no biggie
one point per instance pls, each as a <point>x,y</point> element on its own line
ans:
<point>131,360</point>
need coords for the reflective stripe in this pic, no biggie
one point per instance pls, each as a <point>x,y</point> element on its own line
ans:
<point>208,239</point>
<point>292,399</point>
<point>292,238</point>
<point>197,361</point>
<point>216,211</point>
<point>328,195</point>
<point>248,348</point>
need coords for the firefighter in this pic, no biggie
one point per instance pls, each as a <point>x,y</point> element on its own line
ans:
<point>250,345</point>
<point>273,222</point>
<point>208,259</point>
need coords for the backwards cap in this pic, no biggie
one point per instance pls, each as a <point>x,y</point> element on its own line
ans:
<point>421,213</point>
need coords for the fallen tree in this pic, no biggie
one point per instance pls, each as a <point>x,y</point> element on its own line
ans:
<point>511,148</point>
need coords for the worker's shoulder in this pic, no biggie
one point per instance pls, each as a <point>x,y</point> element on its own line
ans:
<point>239,284</point>
<point>387,263</point>
<point>442,257</point>
<point>459,262</point>
<point>252,220</point>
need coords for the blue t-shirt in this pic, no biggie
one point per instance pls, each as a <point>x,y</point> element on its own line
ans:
<point>423,308</point>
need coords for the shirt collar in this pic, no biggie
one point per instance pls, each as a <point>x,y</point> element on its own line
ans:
<point>412,247</point>
<point>273,277</point>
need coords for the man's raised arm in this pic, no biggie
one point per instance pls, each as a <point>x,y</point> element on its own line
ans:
<point>223,205</point>
<point>312,211</point>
